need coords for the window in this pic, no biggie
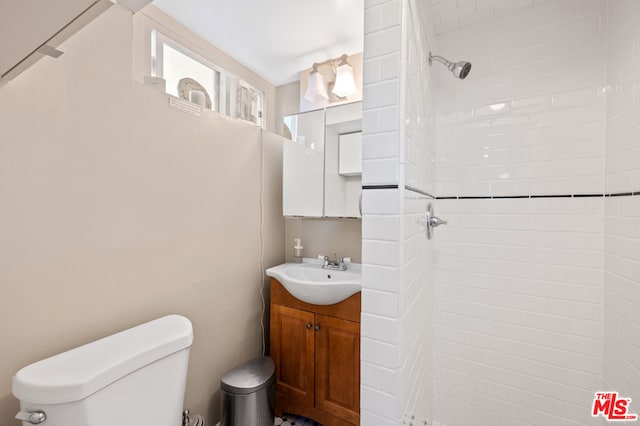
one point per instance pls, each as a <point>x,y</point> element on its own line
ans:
<point>184,70</point>
<point>249,103</point>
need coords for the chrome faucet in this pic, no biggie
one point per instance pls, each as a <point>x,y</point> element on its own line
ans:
<point>335,263</point>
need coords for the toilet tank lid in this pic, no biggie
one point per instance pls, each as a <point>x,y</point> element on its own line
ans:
<point>248,377</point>
<point>80,372</point>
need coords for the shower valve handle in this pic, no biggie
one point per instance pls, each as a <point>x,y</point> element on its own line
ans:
<point>436,221</point>
<point>429,221</point>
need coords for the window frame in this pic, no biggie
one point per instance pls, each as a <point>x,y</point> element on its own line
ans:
<point>223,99</point>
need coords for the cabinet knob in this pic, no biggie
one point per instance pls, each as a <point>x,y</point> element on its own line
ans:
<point>309,325</point>
<point>317,327</point>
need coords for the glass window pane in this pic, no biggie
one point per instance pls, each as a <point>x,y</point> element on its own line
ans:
<point>249,103</point>
<point>176,66</point>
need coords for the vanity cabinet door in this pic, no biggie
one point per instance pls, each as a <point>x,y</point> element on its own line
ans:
<point>292,350</point>
<point>338,367</point>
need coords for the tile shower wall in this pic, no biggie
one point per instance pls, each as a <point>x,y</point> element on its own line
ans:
<point>623,100</point>
<point>530,118</point>
<point>380,391</point>
<point>381,80</point>
<point>518,321</point>
<point>519,294</point>
<point>418,262</point>
<point>622,298</point>
<point>622,226</point>
<point>417,290</point>
<point>519,313</point>
<point>455,14</point>
<point>398,272</point>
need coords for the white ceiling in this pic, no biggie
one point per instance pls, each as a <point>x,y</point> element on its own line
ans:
<point>274,38</point>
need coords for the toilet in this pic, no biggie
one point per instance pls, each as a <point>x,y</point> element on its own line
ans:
<point>135,377</point>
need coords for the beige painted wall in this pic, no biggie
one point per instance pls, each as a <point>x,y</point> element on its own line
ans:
<point>325,236</point>
<point>117,210</point>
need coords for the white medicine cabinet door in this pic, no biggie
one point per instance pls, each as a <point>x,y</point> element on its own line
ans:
<point>303,165</point>
<point>343,145</point>
<point>316,144</point>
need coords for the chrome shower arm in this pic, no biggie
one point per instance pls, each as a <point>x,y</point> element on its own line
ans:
<point>440,59</point>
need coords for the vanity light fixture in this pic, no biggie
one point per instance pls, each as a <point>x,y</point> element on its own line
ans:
<point>343,86</point>
<point>316,87</point>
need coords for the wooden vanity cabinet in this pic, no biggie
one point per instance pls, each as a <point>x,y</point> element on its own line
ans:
<point>316,351</point>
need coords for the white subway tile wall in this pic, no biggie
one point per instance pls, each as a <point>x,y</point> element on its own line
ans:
<point>530,117</point>
<point>398,271</point>
<point>622,298</point>
<point>622,229</point>
<point>418,115</point>
<point>623,100</point>
<point>519,311</point>
<point>416,319</point>
<point>380,380</point>
<point>418,257</point>
<point>381,81</point>
<point>526,290</point>
<point>453,14</point>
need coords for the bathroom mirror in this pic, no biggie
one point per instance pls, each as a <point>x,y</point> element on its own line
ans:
<point>303,164</point>
<point>322,162</point>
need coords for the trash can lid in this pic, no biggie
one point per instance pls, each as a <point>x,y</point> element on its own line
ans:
<point>249,377</point>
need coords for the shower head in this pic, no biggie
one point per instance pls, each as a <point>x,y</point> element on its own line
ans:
<point>459,69</point>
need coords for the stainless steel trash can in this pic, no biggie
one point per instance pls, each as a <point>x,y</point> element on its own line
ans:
<point>248,393</point>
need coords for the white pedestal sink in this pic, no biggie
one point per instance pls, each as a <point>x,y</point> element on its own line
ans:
<point>309,282</point>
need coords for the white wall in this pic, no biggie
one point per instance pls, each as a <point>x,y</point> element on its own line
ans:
<point>519,296</point>
<point>519,312</point>
<point>117,209</point>
<point>398,272</point>
<point>381,398</point>
<point>417,161</point>
<point>622,231</point>
<point>536,297</point>
<point>542,69</point>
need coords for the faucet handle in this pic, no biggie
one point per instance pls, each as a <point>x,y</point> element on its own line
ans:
<point>342,263</point>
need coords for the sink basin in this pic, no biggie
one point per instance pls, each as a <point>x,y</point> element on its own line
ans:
<point>309,282</point>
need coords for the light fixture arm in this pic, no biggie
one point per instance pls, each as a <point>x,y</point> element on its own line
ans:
<point>341,59</point>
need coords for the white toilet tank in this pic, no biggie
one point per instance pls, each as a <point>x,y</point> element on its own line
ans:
<point>135,377</point>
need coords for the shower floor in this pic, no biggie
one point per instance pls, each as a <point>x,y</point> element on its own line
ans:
<point>292,419</point>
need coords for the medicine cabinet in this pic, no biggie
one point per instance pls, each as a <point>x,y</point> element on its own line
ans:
<point>322,162</point>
